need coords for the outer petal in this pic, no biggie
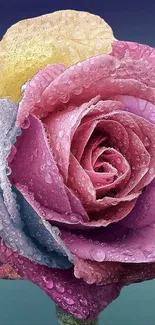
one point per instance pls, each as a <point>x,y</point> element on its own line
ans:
<point>134,51</point>
<point>102,75</point>
<point>15,238</point>
<point>65,36</point>
<point>108,272</point>
<point>43,233</point>
<point>8,134</point>
<point>143,213</point>
<point>74,296</point>
<point>34,88</point>
<point>42,178</point>
<point>136,246</point>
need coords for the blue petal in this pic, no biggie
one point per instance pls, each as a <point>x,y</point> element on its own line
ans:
<point>40,230</point>
<point>11,224</point>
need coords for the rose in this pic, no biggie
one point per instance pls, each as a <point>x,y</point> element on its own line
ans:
<point>83,173</point>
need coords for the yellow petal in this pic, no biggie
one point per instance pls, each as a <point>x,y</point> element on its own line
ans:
<point>65,36</point>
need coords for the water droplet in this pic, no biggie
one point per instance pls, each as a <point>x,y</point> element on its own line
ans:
<point>48,178</point>
<point>119,161</point>
<point>98,255</point>
<point>48,163</point>
<point>61,133</point>
<point>37,257</point>
<point>8,171</point>
<point>43,167</point>
<point>83,302</point>
<point>20,261</point>
<point>8,252</point>
<point>146,142</point>
<point>151,171</point>
<point>18,132</point>
<point>7,144</point>
<point>128,252</point>
<point>152,117</point>
<point>49,284</point>
<point>26,123</point>
<point>69,291</point>
<point>59,288</point>
<point>68,300</point>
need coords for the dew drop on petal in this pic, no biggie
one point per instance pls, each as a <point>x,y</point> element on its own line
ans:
<point>59,288</point>
<point>83,302</point>
<point>151,171</point>
<point>68,300</point>
<point>8,171</point>
<point>61,133</point>
<point>48,178</point>
<point>49,284</point>
<point>98,255</point>
<point>26,123</point>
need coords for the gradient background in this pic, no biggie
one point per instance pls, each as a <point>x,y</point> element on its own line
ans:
<point>22,303</point>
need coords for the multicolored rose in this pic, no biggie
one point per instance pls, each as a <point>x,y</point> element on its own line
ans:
<point>77,160</point>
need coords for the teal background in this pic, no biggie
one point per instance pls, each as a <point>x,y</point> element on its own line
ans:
<point>23,303</point>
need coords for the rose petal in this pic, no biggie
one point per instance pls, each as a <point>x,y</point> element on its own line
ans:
<point>136,246</point>
<point>102,75</point>
<point>44,234</point>
<point>109,272</point>
<point>87,193</point>
<point>61,127</point>
<point>145,121</point>
<point>66,36</point>
<point>133,50</point>
<point>84,131</point>
<point>104,182</point>
<point>138,106</point>
<point>77,217</point>
<point>8,112</point>
<point>7,272</point>
<point>74,296</point>
<point>34,166</point>
<point>34,88</point>
<point>15,238</point>
<point>143,213</point>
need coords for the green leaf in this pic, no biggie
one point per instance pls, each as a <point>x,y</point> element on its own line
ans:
<point>67,319</point>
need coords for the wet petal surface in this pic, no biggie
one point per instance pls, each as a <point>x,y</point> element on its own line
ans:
<point>74,296</point>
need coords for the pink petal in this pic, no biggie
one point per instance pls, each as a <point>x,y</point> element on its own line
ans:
<point>87,194</point>
<point>143,213</point>
<point>61,127</point>
<point>77,216</point>
<point>34,88</point>
<point>102,75</point>
<point>139,161</point>
<point>136,246</point>
<point>104,182</point>
<point>142,113</point>
<point>138,106</point>
<point>34,166</point>
<point>109,272</point>
<point>133,50</point>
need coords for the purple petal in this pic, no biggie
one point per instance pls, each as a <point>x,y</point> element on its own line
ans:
<point>130,246</point>
<point>72,295</point>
